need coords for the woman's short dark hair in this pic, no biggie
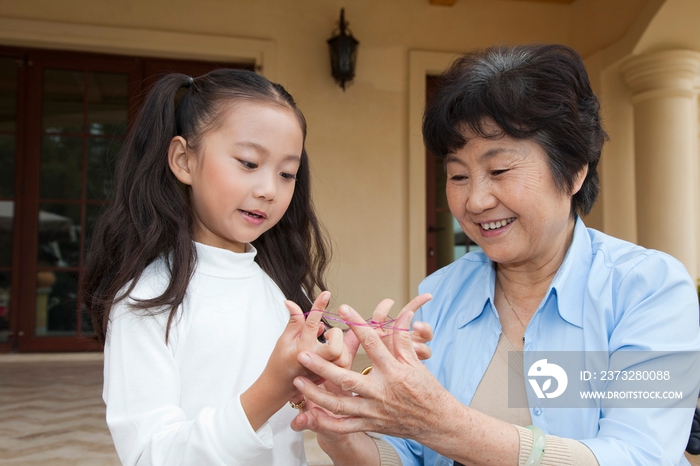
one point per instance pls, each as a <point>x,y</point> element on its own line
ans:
<point>537,92</point>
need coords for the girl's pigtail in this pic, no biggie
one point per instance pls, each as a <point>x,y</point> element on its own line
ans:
<point>149,217</point>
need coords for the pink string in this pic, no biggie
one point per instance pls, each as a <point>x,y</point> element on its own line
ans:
<point>389,324</point>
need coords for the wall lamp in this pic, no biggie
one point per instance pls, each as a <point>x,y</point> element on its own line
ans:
<point>343,48</point>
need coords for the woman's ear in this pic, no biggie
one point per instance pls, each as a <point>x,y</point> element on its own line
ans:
<point>578,181</point>
<point>178,160</point>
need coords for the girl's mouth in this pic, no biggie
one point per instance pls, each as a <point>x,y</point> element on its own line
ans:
<point>253,214</point>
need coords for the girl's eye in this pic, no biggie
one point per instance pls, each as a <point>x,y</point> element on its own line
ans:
<point>288,176</point>
<point>249,165</point>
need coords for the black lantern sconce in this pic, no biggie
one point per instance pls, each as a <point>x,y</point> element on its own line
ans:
<point>343,47</point>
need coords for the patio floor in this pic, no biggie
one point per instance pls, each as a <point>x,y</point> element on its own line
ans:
<point>52,413</point>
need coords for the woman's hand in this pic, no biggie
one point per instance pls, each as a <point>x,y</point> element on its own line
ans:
<point>420,334</point>
<point>399,387</point>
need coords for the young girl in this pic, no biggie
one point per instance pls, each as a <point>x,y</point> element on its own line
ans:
<point>211,229</point>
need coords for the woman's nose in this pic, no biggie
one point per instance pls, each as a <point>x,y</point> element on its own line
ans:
<point>481,198</point>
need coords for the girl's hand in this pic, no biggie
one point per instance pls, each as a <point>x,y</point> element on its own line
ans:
<point>420,334</point>
<point>274,387</point>
<point>301,335</point>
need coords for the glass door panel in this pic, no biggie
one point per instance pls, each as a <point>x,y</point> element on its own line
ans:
<point>5,282</point>
<point>8,94</point>
<point>84,121</point>
<point>56,304</point>
<point>62,108</point>
<point>8,157</point>
<point>7,162</point>
<point>101,162</point>
<point>61,167</point>
<point>59,235</point>
<point>107,103</point>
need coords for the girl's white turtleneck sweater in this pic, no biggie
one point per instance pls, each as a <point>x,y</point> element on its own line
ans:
<point>179,404</point>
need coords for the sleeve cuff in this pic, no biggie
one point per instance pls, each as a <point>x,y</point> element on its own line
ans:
<point>233,434</point>
<point>387,454</point>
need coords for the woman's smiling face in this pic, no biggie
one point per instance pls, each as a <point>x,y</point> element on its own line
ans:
<point>502,193</point>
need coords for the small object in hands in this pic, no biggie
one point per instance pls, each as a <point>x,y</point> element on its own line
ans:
<point>299,405</point>
<point>366,370</point>
<point>389,324</point>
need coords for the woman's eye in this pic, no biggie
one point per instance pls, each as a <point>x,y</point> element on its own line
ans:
<point>249,165</point>
<point>288,176</point>
<point>459,177</point>
<point>498,172</point>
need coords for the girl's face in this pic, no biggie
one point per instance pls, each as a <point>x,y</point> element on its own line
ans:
<point>243,174</point>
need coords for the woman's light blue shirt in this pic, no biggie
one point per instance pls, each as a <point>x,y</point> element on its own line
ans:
<point>608,295</point>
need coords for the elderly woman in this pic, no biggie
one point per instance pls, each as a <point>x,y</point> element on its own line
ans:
<point>520,134</point>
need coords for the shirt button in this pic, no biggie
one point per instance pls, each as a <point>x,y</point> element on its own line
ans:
<point>537,411</point>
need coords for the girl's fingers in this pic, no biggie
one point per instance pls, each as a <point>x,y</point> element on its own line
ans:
<point>334,346</point>
<point>296,318</point>
<point>313,320</point>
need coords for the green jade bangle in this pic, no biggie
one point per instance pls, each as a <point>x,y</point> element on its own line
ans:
<point>537,451</point>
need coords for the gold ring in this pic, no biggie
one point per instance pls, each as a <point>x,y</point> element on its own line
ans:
<point>366,370</point>
<point>299,405</point>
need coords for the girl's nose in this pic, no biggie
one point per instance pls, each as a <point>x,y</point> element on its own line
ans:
<point>266,188</point>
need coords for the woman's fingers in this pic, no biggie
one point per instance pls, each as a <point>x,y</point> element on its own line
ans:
<point>344,379</point>
<point>416,303</point>
<point>382,310</point>
<point>370,341</point>
<point>421,334</point>
<point>402,341</point>
<point>301,422</point>
<point>352,343</point>
<point>339,405</point>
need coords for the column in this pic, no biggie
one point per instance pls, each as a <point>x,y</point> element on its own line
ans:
<point>666,172</point>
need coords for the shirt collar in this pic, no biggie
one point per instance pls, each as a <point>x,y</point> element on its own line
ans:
<point>481,293</point>
<point>572,274</point>
<point>566,285</point>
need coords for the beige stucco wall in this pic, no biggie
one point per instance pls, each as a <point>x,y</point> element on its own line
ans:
<point>359,139</point>
<point>660,25</point>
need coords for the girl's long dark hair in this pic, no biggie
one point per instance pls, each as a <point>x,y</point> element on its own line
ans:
<point>151,215</point>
